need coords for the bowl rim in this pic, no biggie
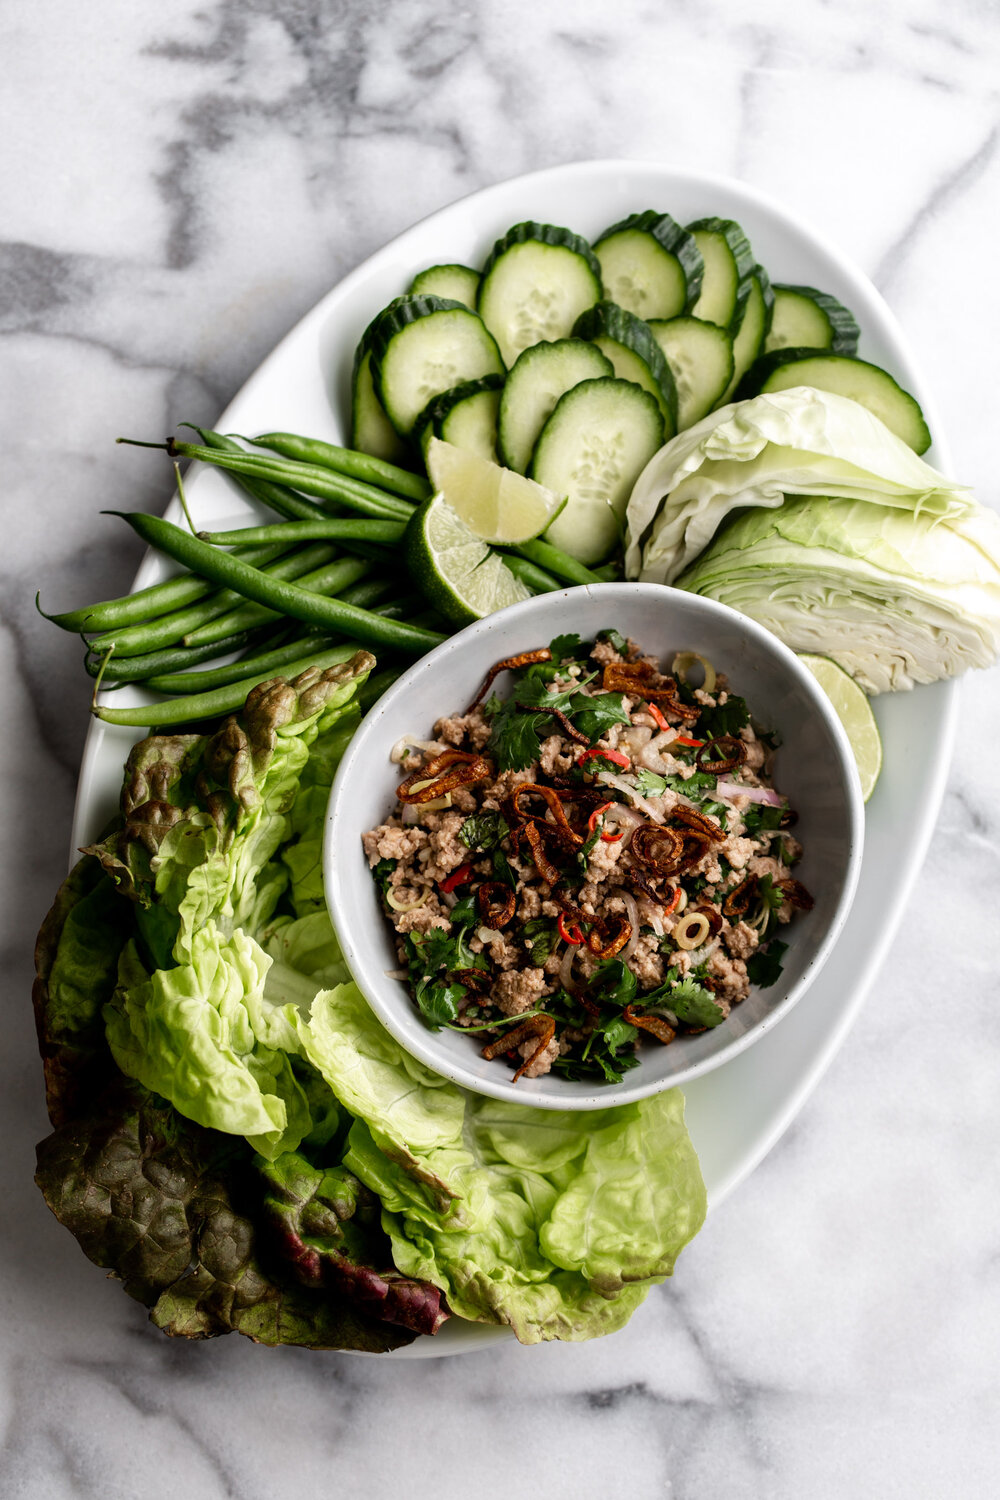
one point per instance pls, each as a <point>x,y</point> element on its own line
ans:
<point>422,1044</point>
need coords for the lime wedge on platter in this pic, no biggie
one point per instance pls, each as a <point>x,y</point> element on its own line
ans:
<point>458,573</point>
<point>496,504</point>
<point>855,713</point>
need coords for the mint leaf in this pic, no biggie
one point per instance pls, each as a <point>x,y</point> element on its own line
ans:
<point>483,831</point>
<point>758,816</point>
<point>542,934</point>
<point>725,718</point>
<point>502,869</point>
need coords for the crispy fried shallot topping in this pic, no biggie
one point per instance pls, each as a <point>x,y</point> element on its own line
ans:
<point>496,902</point>
<point>450,769</point>
<point>723,754</point>
<point>795,894</point>
<point>508,664</point>
<point>542,1027</point>
<point>607,937</point>
<point>657,848</point>
<point>552,801</point>
<point>655,1025</point>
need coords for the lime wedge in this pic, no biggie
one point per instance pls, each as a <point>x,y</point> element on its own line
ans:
<point>455,569</point>
<point>496,504</point>
<point>855,713</point>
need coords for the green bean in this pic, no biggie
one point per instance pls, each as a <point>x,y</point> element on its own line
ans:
<point>330,528</point>
<point>554,560</point>
<point>288,598</point>
<point>277,497</point>
<point>237,671</point>
<point>170,629</point>
<point>329,579</point>
<point>609,573</point>
<point>119,669</point>
<point>223,700</point>
<point>311,479</point>
<point>369,592</point>
<point>346,461</point>
<point>533,577</point>
<point>151,602</point>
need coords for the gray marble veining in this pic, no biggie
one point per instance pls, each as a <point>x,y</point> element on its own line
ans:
<point>178,184</point>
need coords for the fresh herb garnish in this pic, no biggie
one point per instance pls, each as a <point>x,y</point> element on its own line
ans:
<point>724,718</point>
<point>483,831</point>
<point>759,816</point>
<point>593,716</point>
<point>382,875</point>
<point>566,648</point>
<point>615,639</point>
<point>651,785</point>
<point>764,968</point>
<point>692,1004</point>
<point>719,811</point>
<point>431,956</point>
<point>516,734</point>
<point>542,934</point>
<point>686,785</point>
<point>502,869</point>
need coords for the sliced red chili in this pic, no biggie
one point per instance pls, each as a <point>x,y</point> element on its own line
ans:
<point>733,754</point>
<point>569,931</point>
<point>609,838</point>
<point>655,1025</point>
<point>450,769</point>
<point>456,878</point>
<point>688,742</point>
<point>508,664</point>
<point>656,715</point>
<point>597,752</point>
<point>496,902</point>
<point>542,1027</point>
<point>601,944</point>
<point>668,899</point>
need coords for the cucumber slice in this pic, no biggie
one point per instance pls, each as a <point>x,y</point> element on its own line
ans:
<point>592,449</point>
<point>634,353</point>
<point>422,346</point>
<point>458,283</point>
<point>729,265</point>
<point>537,281</point>
<point>371,430</point>
<point>867,384</point>
<point>465,416</point>
<point>700,356</point>
<point>807,319</point>
<point>650,266</point>
<point>748,340</point>
<point>538,378</point>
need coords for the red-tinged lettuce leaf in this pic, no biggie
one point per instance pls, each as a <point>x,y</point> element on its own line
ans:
<point>327,1225</point>
<point>165,1206</point>
<point>76,964</point>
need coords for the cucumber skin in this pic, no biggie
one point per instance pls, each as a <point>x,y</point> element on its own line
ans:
<point>756,378</point>
<point>466,273</point>
<point>672,237</point>
<point>715,392</point>
<point>844,329</point>
<point>739,247</point>
<point>399,314</point>
<point>545,234</point>
<point>514,379</point>
<point>613,322</point>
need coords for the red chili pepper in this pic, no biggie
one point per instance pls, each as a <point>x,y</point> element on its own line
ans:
<point>597,752</point>
<point>685,739</point>
<point>669,910</point>
<point>609,838</point>
<point>569,934</point>
<point>456,878</point>
<point>656,716</point>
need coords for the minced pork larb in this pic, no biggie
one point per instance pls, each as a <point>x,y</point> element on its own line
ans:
<point>597,858</point>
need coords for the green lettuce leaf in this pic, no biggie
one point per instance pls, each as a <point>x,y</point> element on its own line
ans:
<point>475,1194</point>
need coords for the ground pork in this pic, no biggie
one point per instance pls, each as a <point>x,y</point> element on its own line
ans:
<point>518,990</point>
<point>741,940</point>
<point>543,1062</point>
<point>731,974</point>
<point>647,961</point>
<point>738,851</point>
<point>602,862</point>
<point>461,727</point>
<point>447,852</point>
<point>529,903</point>
<point>756,752</point>
<point>389,841</point>
<point>555,759</point>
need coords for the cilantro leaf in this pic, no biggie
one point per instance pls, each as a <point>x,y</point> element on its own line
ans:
<point>514,739</point>
<point>463,913</point>
<point>719,811</point>
<point>382,874</point>
<point>612,983</point>
<point>483,831</point>
<point>438,1000</point>
<point>689,1001</point>
<point>725,718</point>
<point>764,968</point>
<point>651,785</point>
<point>699,782</point>
<point>566,647</point>
<point>592,716</point>
<point>758,816</point>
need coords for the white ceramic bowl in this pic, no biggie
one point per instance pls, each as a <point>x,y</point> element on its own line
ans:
<point>814,768</point>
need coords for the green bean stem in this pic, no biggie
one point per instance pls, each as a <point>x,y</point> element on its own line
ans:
<point>330,579</point>
<point>119,669</point>
<point>329,528</point>
<point>288,598</point>
<point>223,700</point>
<point>277,497</point>
<point>312,480</point>
<point>346,461</point>
<point>170,629</point>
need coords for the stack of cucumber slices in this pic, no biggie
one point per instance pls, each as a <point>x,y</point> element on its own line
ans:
<point>572,363</point>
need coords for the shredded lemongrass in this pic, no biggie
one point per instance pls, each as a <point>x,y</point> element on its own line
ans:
<point>691,931</point>
<point>685,660</point>
<point>396,905</point>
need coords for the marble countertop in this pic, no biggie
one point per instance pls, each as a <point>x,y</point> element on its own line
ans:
<point>180,184</point>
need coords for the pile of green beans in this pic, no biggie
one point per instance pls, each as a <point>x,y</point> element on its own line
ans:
<point>311,587</point>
